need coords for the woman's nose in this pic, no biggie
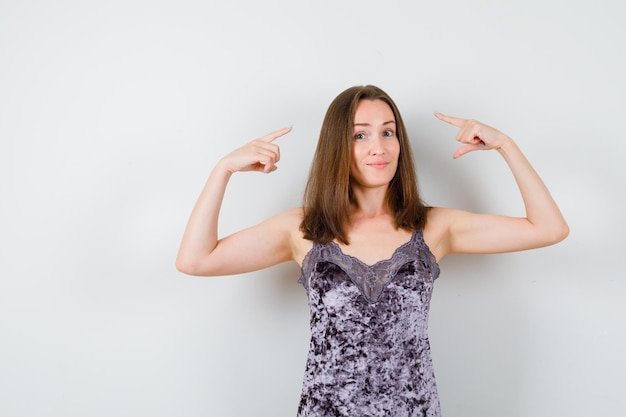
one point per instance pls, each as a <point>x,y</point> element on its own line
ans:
<point>377,146</point>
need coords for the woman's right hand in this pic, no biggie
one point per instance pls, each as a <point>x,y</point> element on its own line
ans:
<point>259,155</point>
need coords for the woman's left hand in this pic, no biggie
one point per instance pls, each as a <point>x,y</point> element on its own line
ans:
<point>474,135</point>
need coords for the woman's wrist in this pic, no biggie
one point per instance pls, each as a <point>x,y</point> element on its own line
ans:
<point>224,168</point>
<point>507,146</point>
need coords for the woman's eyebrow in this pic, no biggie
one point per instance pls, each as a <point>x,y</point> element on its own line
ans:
<point>369,124</point>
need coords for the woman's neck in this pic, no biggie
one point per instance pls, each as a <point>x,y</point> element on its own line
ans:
<point>370,203</point>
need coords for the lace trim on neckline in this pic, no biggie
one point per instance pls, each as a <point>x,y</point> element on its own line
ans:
<point>370,279</point>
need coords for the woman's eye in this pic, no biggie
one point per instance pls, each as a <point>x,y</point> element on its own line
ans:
<point>359,136</point>
<point>388,133</point>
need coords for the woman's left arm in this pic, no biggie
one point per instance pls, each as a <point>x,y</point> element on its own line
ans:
<point>484,233</point>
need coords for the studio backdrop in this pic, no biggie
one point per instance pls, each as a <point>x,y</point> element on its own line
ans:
<point>112,115</point>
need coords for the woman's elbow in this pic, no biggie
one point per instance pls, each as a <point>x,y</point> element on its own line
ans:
<point>184,266</point>
<point>564,231</point>
<point>558,233</point>
<point>191,267</point>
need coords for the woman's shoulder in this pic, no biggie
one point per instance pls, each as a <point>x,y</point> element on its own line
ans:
<point>434,217</point>
<point>289,219</point>
<point>440,216</point>
<point>284,225</point>
<point>441,224</point>
<point>289,222</point>
<point>436,229</point>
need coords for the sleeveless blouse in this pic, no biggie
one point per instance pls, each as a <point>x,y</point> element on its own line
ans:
<point>369,352</point>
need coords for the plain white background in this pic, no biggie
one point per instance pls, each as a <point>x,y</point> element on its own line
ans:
<point>113,113</point>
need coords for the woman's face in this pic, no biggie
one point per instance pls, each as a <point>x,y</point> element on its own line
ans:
<point>375,145</point>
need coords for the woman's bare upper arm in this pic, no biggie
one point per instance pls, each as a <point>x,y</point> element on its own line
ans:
<point>263,245</point>
<point>458,231</point>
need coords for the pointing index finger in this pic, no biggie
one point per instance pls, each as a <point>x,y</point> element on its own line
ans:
<point>270,137</point>
<point>455,121</point>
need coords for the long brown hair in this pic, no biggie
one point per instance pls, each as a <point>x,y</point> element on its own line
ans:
<point>328,192</point>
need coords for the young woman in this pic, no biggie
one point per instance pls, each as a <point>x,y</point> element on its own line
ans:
<point>368,248</point>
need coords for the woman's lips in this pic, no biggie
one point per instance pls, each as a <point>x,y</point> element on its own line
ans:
<point>378,165</point>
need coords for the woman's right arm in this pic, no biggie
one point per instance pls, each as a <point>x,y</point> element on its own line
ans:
<point>268,243</point>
